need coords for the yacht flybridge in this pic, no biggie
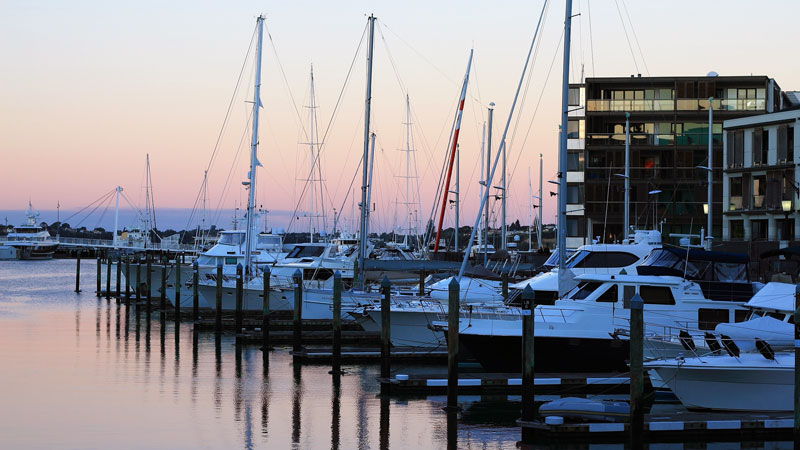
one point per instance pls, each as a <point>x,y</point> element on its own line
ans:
<point>30,240</point>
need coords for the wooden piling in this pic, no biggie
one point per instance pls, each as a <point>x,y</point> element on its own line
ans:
<point>195,294</point>
<point>177,290</point>
<point>138,289</point>
<point>265,313</point>
<point>149,279</point>
<point>422,282</point>
<point>298,311</point>
<point>637,372</point>
<point>386,335</point>
<point>163,300</point>
<point>528,407</point>
<point>239,294</point>
<point>127,280</point>
<point>452,345</point>
<point>218,322</point>
<point>337,323</point>
<point>99,274</point>
<point>504,282</point>
<point>78,273</point>
<point>108,276</point>
<point>119,273</point>
<point>796,366</point>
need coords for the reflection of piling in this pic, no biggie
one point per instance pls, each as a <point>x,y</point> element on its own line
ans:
<point>298,311</point>
<point>108,277</point>
<point>452,346</point>
<point>385,332</point>
<point>78,273</point>
<point>265,313</point>
<point>422,282</point>
<point>218,321</point>
<point>195,294</point>
<point>177,289</point>
<point>337,323</point>
<point>138,289</point>
<point>119,272</point>
<point>164,262</point>
<point>239,293</point>
<point>637,374</point>
<point>528,407</point>
<point>99,274</point>
<point>149,279</point>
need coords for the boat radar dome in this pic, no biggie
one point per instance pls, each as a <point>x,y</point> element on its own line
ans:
<point>712,74</point>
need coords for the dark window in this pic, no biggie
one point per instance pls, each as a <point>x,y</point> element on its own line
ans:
<point>790,145</point>
<point>609,296</point>
<point>574,161</point>
<point>306,251</point>
<point>759,230</point>
<point>584,290</point>
<point>574,194</point>
<point>738,148</point>
<point>575,227</point>
<point>230,261</point>
<point>708,319</point>
<point>783,141</point>
<point>574,97</point>
<point>740,315</point>
<point>575,129</point>
<point>656,295</point>
<point>607,259</point>
<point>737,229</point>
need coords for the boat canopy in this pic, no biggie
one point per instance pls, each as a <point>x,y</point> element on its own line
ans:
<point>696,264</point>
<point>774,296</point>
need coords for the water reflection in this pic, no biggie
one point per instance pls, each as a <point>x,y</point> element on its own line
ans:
<point>384,422</point>
<point>297,394</point>
<point>335,409</point>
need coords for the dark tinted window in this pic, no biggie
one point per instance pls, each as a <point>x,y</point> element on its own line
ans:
<point>708,319</point>
<point>610,295</point>
<point>306,251</point>
<point>584,290</point>
<point>657,295</point>
<point>607,259</point>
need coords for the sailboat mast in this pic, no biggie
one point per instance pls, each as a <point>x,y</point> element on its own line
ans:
<point>408,171</point>
<point>254,163</point>
<point>116,216</point>
<point>457,130</point>
<point>455,193</point>
<point>562,151</point>
<point>147,226</point>
<point>362,249</point>
<point>312,161</point>
<point>539,227</point>
<point>530,211</point>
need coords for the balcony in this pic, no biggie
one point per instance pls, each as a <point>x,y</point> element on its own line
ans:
<point>701,104</point>
<point>683,104</point>
<point>629,105</point>
<point>660,139</point>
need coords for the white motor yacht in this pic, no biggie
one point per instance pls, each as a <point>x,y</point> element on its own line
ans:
<point>31,241</point>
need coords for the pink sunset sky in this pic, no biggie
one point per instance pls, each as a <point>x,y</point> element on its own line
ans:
<point>90,87</point>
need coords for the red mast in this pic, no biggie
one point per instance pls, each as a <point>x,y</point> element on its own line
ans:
<point>446,191</point>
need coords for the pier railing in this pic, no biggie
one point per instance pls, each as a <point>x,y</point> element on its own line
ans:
<point>98,243</point>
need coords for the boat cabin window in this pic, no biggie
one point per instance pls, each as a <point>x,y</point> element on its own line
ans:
<point>609,296</point>
<point>777,315</point>
<point>587,259</point>
<point>708,319</point>
<point>656,295</point>
<point>231,238</point>
<point>230,261</point>
<point>268,242</point>
<point>306,251</point>
<point>584,290</point>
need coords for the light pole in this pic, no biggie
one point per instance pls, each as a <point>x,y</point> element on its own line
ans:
<point>709,205</point>
<point>786,206</point>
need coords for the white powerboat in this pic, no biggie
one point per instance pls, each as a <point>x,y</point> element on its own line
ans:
<point>31,241</point>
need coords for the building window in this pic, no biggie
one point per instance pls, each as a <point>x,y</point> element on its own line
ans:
<point>575,129</point>
<point>574,161</point>
<point>735,193</point>
<point>785,229</point>
<point>759,191</point>
<point>575,227</point>
<point>783,143</point>
<point>760,140</point>
<point>575,194</point>
<point>574,97</point>
<point>737,229</point>
<point>759,230</point>
<point>790,144</point>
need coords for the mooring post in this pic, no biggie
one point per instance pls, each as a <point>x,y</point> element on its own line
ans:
<point>528,407</point>
<point>78,273</point>
<point>119,273</point>
<point>337,323</point>
<point>452,345</point>
<point>637,374</point>
<point>163,307</point>
<point>298,311</point>
<point>177,290</point>
<point>195,294</point>
<point>138,289</point>
<point>108,276</point>
<point>356,283</point>
<point>504,278</point>
<point>239,294</point>
<point>218,321</point>
<point>149,279</point>
<point>796,365</point>
<point>99,274</point>
<point>422,282</point>
<point>127,280</point>
<point>265,313</point>
<point>386,336</point>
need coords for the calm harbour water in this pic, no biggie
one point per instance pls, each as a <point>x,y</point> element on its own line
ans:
<point>77,371</point>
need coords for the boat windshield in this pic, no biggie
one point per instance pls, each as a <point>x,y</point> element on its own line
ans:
<point>585,259</point>
<point>27,230</point>
<point>306,251</point>
<point>231,238</point>
<point>268,242</point>
<point>583,290</point>
<point>552,261</point>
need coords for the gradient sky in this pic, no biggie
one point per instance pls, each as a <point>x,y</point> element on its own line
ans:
<point>90,87</point>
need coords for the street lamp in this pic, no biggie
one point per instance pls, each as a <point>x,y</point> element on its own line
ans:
<point>786,206</point>
<point>705,208</point>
